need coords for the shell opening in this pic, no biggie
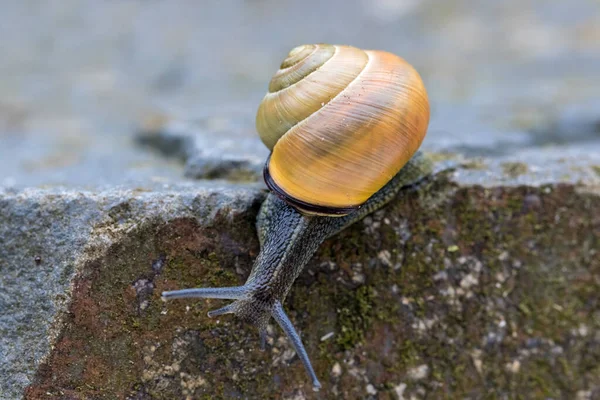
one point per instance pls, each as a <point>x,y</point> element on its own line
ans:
<point>302,206</point>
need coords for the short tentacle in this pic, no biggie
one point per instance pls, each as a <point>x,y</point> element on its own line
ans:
<point>228,309</point>
<point>287,326</point>
<point>231,293</point>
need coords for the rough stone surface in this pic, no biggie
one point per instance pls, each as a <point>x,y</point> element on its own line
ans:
<point>481,283</point>
<point>453,290</point>
<point>49,235</point>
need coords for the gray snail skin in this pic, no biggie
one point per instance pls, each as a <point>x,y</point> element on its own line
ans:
<point>344,126</point>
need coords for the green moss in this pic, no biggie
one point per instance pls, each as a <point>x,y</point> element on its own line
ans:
<point>474,164</point>
<point>215,274</point>
<point>514,169</point>
<point>453,248</point>
<point>354,317</point>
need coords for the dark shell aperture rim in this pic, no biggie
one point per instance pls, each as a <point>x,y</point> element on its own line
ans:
<point>300,205</point>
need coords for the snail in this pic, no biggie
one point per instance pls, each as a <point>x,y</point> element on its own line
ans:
<point>344,126</point>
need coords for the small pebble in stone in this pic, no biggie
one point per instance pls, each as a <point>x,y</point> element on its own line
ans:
<point>514,366</point>
<point>476,355</point>
<point>358,278</point>
<point>583,395</point>
<point>158,264</point>
<point>468,281</point>
<point>371,389</point>
<point>419,372</point>
<point>583,330</point>
<point>440,276</point>
<point>399,390</point>
<point>385,257</point>
<point>336,370</point>
<point>531,202</point>
<point>288,355</point>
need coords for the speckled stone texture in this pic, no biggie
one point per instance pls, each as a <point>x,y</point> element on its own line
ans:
<point>49,236</point>
<point>129,165</point>
<point>453,290</point>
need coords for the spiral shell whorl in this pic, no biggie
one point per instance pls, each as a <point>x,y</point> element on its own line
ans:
<point>301,61</point>
<point>340,122</point>
<point>304,86</point>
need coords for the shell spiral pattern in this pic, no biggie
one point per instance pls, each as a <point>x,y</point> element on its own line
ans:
<point>340,122</point>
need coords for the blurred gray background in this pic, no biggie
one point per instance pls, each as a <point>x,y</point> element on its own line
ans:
<point>514,87</point>
<point>518,79</point>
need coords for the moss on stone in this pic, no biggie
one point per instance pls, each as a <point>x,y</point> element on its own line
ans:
<point>354,315</point>
<point>483,292</point>
<point>514,169</point>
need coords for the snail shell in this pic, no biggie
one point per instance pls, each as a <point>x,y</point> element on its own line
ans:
<point>340,122</point>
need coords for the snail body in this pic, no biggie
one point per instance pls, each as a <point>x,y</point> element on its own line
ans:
<point>343,126</point>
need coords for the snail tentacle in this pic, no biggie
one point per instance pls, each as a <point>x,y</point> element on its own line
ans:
<point>287,326</point>
<point>230,293</point>
<point>228,309</point>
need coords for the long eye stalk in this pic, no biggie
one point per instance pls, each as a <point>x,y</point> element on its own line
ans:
<point>287,326</point>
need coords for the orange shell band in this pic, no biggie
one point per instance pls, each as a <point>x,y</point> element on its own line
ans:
<point>303,206</point>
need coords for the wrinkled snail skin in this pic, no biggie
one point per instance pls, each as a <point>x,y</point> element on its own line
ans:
<point>316,102</point>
